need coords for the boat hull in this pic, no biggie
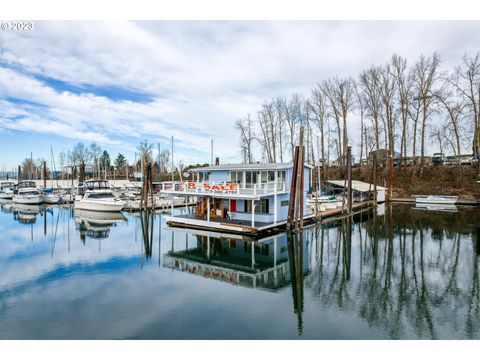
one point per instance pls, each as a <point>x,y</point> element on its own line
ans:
<point>6,196</point>
<point>436,200</point>
<point>30,199</point>
<point>107,206</point>
<point>51,199</point>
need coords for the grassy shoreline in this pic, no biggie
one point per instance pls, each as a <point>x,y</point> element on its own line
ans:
<point>429,180</point>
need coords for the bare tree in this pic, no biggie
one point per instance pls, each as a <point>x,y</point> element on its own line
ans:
<point>164,161</point>
<point>369,85</point>
<point>361,105</point>
<point>267,123</point>
<point>281,123</point>
<point>328,89</point>
<point>318,104</point>
<point>454,109</point>
<point>467,83</point>
<point>404,82</point>
<point>245,127</point>
<point>427,74</point>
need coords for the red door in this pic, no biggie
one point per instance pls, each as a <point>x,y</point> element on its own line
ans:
<point>233,205</point>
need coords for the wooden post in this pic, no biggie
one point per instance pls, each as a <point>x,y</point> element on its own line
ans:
<point>295,209</point>
<point>301,189</point>
<point>208,208</point>
<point>253,213</point>
<point>291,204</point>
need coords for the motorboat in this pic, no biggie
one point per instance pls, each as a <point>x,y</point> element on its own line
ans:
<point>435,199</point>
<point>317,199</point>
<point>26,192</point>
<point>163,200</point>
<point>50,197</point>
<point>6,190</point>
<point>96,195</point>
<point>66,196</point>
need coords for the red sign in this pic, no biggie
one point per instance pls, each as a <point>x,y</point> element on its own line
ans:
<point>208,187</point>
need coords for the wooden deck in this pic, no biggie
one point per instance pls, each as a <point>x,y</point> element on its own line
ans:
<point>244,227</point>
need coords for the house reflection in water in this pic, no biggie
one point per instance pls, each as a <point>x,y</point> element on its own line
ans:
<point>235,259</point>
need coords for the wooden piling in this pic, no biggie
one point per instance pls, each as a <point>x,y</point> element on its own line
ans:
<point>296,204</point>
<point>291,204</point>
<point>349,179</point>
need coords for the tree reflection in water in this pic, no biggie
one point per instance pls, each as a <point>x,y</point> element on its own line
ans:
<point>412,274</point>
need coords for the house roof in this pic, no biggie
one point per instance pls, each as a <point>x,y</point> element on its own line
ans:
<point>356,185</point>
<point>257,166</point>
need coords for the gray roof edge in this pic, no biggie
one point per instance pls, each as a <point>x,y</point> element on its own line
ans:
<point>260,166</point>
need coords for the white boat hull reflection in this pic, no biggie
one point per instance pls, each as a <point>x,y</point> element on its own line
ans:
<point>436,207</point>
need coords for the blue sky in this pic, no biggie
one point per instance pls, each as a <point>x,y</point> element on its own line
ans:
<point>118,83</point>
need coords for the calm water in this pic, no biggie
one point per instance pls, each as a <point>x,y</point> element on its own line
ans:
<point>403,273</point>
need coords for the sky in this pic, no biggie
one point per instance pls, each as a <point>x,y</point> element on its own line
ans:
<point>118,83</point>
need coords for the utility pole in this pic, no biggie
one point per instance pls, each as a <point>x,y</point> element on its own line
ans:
<point>159,166</point>
<point>44,174</point>
<point>173,166</point>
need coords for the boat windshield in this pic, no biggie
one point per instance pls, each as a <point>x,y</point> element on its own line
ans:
<point>31,192</point>
<point>6,185</point>
<point>27,184</point>
<point>97,184</point>
<point>100,196</point>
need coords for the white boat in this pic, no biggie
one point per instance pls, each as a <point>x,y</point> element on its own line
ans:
<point>321,199</point>
<point>26,192</point>
<point>96,195</point>
<point>51,198</point>
<point>435,199</point>
<point>67,197</point>
<point>6,190</point>
<point>165,201</point>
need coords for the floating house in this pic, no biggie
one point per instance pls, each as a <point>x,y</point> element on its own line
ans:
<point>241,198</point>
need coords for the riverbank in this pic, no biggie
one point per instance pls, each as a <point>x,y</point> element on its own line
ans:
<point>431,180</point>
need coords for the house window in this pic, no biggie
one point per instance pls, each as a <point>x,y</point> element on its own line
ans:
<point>284,203</point>
<point>264,177</point>
<point>261,207</point>
<point>254,177</point>
<point>271,176</point>
<point>281,175</point>
<point>248,178</point>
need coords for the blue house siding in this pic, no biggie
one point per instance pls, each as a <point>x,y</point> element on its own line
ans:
<point>219,176</point>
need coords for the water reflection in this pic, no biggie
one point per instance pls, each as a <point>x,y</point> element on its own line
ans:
<point>407,279</point>
<point>96,224</point>
<point>262,264</point>
<point>397,273</point>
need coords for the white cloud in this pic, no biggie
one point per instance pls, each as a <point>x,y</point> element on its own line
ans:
<point>201,76</point>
